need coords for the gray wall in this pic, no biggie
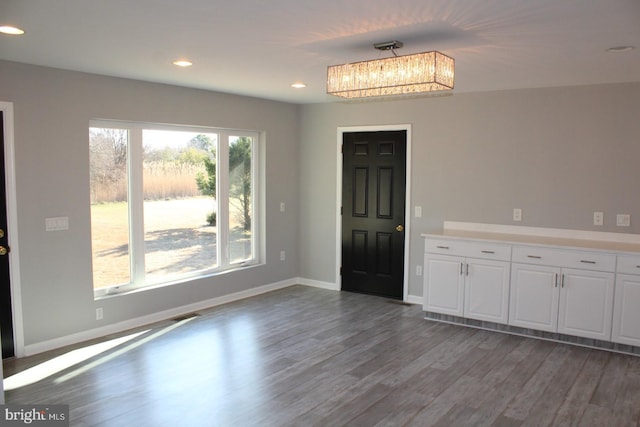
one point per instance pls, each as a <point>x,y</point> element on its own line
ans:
<point>558,154</point>
<point>52,109</point>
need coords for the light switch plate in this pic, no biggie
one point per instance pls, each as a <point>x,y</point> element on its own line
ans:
<point>623,220</point>
<point>57,223</point>
<point>418,212</point>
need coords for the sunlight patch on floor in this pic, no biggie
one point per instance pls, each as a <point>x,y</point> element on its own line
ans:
<point>60,363</point>
<point>121,351</point>
<point>76,357</point>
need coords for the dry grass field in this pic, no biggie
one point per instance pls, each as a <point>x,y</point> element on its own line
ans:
<point>177,239</point>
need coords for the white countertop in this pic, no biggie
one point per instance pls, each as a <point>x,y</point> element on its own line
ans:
<point>518,239</point>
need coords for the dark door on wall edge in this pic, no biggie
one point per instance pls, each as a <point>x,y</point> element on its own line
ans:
<point>6,318</point>
<point>373,212</point>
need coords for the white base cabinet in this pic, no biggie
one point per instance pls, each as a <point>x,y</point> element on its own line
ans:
<point>534,297</point>
<point>548,295</point>
<point>572,302</point>
<point>486,290</point>
<point>586,304</point>
<point>626,309</point>
<point>444,291</point>
<point>459,284</point>
<point>586,293</point>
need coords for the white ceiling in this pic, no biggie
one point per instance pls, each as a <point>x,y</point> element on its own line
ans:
<point>260,47</point>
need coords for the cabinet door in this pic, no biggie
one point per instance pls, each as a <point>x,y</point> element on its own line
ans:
<point>626,312</point>
<point>586,304</point>
<point>534,297</point>
<point>443,284</point>
<point>486,290</point>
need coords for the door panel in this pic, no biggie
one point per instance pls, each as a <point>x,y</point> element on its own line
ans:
<point>385,193</point>
<point>373,199</point>
<point>384,254</point>
<point>360,191</point>
<point>6,318</point>
<point>359,251</point>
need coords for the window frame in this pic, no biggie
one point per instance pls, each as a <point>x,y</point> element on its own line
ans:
<point>135,204</point>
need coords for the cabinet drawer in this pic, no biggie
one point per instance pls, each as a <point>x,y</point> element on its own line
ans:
<point>564,258</point>
<point>628,264</point>
<point>484,250</point>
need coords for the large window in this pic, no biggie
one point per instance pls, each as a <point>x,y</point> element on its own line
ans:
<point>170,203</point>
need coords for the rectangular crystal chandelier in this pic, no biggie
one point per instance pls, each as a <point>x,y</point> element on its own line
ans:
<point>399,75</point>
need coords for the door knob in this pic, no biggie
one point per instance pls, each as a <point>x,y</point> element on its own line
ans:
<point>1,233</point>
<point>3,250</point>
<point>399,228</point>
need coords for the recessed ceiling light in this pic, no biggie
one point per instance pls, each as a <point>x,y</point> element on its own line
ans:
<point>298,85</point>
<point>10,29</point>
<point>618,49</point>
<point>182,63</point>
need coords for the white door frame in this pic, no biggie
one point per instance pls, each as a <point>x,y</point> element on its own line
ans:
<point>407,211</point>
<point>12,228</point>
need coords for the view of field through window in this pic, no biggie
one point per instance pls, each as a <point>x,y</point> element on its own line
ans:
<point>109,206</point>
<point>179,210</point>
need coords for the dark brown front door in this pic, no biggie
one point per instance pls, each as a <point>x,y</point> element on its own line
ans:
<point>373,212</point>
<point>6,319</point>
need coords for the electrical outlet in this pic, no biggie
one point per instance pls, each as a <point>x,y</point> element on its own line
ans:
<point>99,313</point>
<point>623,220</point>
<point>598,218</point>
<point>281,206</point>
<point>282,256</point>
<point>517,214</point>
<point>418,270</point>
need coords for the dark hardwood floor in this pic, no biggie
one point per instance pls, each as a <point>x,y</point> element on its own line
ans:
<point>310,357</point>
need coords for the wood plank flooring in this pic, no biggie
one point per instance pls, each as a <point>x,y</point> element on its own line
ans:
<point>310,357</point>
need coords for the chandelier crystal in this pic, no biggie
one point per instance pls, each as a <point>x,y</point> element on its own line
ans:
<point>399,75</point>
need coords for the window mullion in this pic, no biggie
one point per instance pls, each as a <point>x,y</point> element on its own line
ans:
<point>222,188</point>
<point>255,198</point>
<point>136,211</point>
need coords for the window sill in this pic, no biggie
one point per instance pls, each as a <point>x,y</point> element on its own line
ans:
<point>129,289</point>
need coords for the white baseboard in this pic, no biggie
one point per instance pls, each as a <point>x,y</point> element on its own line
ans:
<point>114,328</point>
<point>414,299</point>
<point>411,299</point>
<point>318,284</point>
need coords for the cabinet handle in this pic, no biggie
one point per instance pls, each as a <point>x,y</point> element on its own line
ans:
<point>562,282</point>
<point>637,266</point>
<point>488,252</point>
<point>555,280</point>
<point>587,262</point>
<point>461,266</point>
<point>467,269</point>
<point>534,256</point>
<point>442,247</point>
